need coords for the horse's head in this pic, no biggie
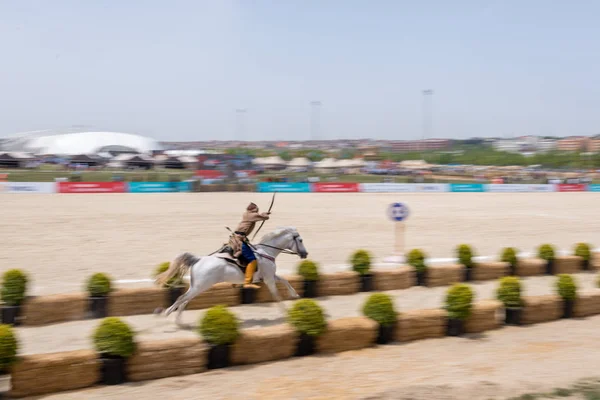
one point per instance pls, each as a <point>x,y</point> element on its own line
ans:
<point>289,239</point>
<point>297,244</point>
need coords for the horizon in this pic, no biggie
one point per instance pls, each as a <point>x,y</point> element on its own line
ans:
<point>201,70</point>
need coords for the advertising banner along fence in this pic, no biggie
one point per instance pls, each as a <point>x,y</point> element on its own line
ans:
<point>341,187</point>
<point>594,187</point>
<point>519,188</point>
<point>92,187</point>
<point>159,187</point>
<point>571,187</point>
<point>29,187</point>
<point>467,187</point>
<point>289,187</point>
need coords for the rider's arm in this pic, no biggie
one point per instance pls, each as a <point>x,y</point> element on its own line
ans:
<point>254,217</point>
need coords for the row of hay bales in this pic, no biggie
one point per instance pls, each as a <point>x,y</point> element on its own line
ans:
<point>309,282</point>
<point>221,343</point>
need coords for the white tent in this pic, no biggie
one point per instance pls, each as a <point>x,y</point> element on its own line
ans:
<point>302,162</point>
<point>327,164</point>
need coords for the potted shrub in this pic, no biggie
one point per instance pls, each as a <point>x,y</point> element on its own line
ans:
<point>509,255</point>
<point>584,251</point>
<point>114,342</point>
<point>546,252</point>
<point>174,286</point>
<point>416,259</point>
<point>459,302</point>
<point>14,287</point>
<point>361,263</point>
<point>380,308</point>
<point>509,293</point>
<point>9,347</point>
<point>99,287</point>
<point>309,271</point>
<point>465,258</point>
<point>220,328</point>
<point>306,316</point>
<point>567,289</point>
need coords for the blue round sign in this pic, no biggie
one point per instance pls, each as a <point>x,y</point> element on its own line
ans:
<point>398,212</point>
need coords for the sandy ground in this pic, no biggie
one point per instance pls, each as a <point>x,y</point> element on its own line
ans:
<point>62,239</point>
<point>77,335</point>
<point>497,365</point>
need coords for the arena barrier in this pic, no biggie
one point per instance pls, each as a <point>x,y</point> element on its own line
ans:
<point>287,187</point>
<point>42,374</point>
<point>58,308</point>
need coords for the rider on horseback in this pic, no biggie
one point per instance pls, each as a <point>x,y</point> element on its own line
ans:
<point>239,240</point>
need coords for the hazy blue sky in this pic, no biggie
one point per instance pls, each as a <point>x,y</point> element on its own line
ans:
<point>177,70</point>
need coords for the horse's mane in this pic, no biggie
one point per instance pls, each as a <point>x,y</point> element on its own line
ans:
<point>275,233</point>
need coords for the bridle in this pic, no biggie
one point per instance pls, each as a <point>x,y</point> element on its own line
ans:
<point>284,251</point>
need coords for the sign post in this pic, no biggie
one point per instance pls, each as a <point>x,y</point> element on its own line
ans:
<point>398,213</point>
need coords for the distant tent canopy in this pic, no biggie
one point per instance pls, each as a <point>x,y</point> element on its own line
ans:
<point>84,159</point>
<point>180,162</point>
<point>15,159</point>
<point>114,150</point>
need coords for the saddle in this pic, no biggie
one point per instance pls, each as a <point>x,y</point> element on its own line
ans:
<point>226,253</point>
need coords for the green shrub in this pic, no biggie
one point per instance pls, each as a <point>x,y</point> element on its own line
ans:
<point>175,281</point>
<point>361,261</point>
<point>14,286</point>
<point>566,287</point>
<point>546,252</point>
<point>99,285</point>
<point>465,255</point>
<point>509,255</point>
<point>307,317</point>
<point>584,251</point>
<point>380,308</point>
<point>509,292</point>
<point>114,337</point>
<point>459,301</point>
<point>416,259</point>
<point>8,347</point>
<point>219,326</point>
<point>308,270</point>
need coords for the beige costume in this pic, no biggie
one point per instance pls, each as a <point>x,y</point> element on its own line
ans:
<point>245,228</point>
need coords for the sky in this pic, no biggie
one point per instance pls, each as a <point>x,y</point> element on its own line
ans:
<point>178,70</point>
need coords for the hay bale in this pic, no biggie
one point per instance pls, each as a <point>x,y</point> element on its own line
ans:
<point>221,293</point>
<point>265,344</point>
<point>164,358</point>
<point>394,279</point>
<point>45,310</point>
<point>567,264</point>
<point>541,309</point>
<point>530,267</point>
<point>486,271</point>
<point>55,372</point>
<point>587,304</point>
<point>421,324</point>
<point>484,317</point>
<point>264,296</point>
<point>339,283</point>
<point>444,275</point>
<point>123,302</point>
<point>345,334</point>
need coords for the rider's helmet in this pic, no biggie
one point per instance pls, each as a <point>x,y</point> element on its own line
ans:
<point>252,207</point>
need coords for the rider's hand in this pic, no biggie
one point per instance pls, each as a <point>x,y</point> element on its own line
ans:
<point>269,213</point>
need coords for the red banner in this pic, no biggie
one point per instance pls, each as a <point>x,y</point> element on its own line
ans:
<point>341,187</point>
<point>92,187</point>
<point>571,187</point>
<point>209,173</point>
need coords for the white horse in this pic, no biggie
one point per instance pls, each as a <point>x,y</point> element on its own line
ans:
<point>209,270</point>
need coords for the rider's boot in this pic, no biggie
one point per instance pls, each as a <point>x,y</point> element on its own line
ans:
<point>249,273</point>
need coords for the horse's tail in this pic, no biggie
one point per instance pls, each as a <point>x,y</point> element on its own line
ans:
<point>178,268</point>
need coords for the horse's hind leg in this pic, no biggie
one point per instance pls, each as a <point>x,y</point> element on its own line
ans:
<point>194,291</point>
<point>291,291</point>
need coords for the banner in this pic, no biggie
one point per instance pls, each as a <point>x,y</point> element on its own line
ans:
<point>159,187</point>
<point>518,188</point>
<point>92,187</point>
<point>433,187</point>
<point>570,187</point>
<point>594,187</point>
<point>339,187</point>
<point>467,187</point>
<point>209,173</point>
<point>388,187</point>
<point>288,187</point>
<point>29,187</point>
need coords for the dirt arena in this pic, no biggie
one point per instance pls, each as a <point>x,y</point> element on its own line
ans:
<point>62,239</point>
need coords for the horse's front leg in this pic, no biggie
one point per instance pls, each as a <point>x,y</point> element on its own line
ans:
<point>291,291</point>
<point>272,286</point>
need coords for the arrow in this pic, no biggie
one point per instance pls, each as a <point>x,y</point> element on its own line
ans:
<point>262,223</point>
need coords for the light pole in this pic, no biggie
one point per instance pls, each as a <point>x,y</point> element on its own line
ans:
<point>240,123</point>
<point>315,119</point>
<point>427,115</point>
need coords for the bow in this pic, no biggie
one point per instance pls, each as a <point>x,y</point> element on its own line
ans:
<point>262,223</point>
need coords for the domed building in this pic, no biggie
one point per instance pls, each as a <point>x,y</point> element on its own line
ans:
<point>73,142</point>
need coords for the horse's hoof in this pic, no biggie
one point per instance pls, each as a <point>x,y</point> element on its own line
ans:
<point>158,310</point>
